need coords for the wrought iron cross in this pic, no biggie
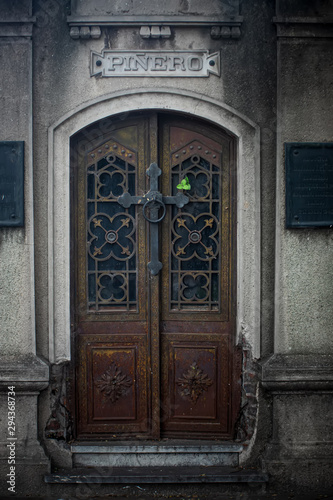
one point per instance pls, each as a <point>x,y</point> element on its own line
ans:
<point>153,201</point>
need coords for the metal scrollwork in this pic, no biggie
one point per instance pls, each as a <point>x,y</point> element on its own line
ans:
<point>110,183</point>
<point>112,287</point>
<point>111,236</point>
<point>194,287</point>
<point>191,235</point>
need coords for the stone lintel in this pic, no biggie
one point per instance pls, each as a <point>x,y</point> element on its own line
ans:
<point>298,372</point>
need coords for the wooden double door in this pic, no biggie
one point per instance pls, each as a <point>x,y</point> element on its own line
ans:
<point>155,355</point>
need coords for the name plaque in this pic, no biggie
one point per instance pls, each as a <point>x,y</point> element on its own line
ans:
<point>309,184</point>
<point>155,63</point>
<point>11,183</point>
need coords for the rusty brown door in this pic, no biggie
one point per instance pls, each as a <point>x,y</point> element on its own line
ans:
<point>155,353</point>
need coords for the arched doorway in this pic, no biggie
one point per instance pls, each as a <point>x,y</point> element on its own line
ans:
<point>155,352</point>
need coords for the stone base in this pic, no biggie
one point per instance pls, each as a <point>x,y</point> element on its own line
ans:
<point>158,475</point>
<point>29,479</point>
<point>300,476</point>
<point>19,447</point>
<point>300,455</point>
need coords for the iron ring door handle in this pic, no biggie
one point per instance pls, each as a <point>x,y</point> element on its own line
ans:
<point>159,204</point>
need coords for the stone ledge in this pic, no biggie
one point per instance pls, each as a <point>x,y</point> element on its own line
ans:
<point>20,27</point>
<point>298,372</point>
<point>126,20</point>
<point>311,450</point>
<point>26,372</point>
<point>157,475</point>
<point>304,27</point>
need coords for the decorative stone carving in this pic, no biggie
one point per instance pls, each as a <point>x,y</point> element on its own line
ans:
<point>155,32</point>
<point>194,382</point>
<point>217,32</point>
<point>85,32</point>
<point>113,383</point>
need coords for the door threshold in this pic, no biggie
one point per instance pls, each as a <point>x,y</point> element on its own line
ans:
<point>176,444</point>
<point>158,475</point>
<point>160,454</point>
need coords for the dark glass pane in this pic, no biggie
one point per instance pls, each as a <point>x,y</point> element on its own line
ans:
<point>132,287</point>
<point>215,187</point>
<point>174,287</point>
<point>215,287</point>
<point>91,287</point>
<point>91,185</point>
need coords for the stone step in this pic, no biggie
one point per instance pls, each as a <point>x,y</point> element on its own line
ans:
<point>158,475</point>
<point>168,454</point>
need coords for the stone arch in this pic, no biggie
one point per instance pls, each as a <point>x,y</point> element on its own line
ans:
<point>248,201</point>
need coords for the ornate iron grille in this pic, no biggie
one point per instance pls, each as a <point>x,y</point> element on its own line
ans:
<point>111,230</point>
<point>195,259</point>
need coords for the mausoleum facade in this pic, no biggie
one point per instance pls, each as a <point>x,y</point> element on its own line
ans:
<point>166,212</point>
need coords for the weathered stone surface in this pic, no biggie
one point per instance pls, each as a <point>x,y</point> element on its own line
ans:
<point>159,475</point>
<point>159,455</point>
<point>304,299</point>
<point>16,244</point>
<point>21,380</point>
<point>146,7</point>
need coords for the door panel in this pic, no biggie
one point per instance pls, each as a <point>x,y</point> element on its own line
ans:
<point>155,354</point>
<point>112,384</point>
<point>196,381</point>
<point>197,322</point>
<point>113,336</point>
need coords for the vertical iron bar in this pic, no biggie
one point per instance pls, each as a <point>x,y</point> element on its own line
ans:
<point>154,297</point>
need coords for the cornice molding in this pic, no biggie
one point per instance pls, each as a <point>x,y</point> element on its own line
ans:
<point>21,27</point>
<point>303,27</point>
<point>85,27</point>
<point>297,372</point>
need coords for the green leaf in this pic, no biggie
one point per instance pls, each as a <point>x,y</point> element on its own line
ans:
<point>184,184</point>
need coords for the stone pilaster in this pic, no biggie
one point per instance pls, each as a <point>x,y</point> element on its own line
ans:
<point>20,368</point>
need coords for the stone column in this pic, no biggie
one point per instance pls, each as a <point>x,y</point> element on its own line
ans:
<point>20,368</point>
